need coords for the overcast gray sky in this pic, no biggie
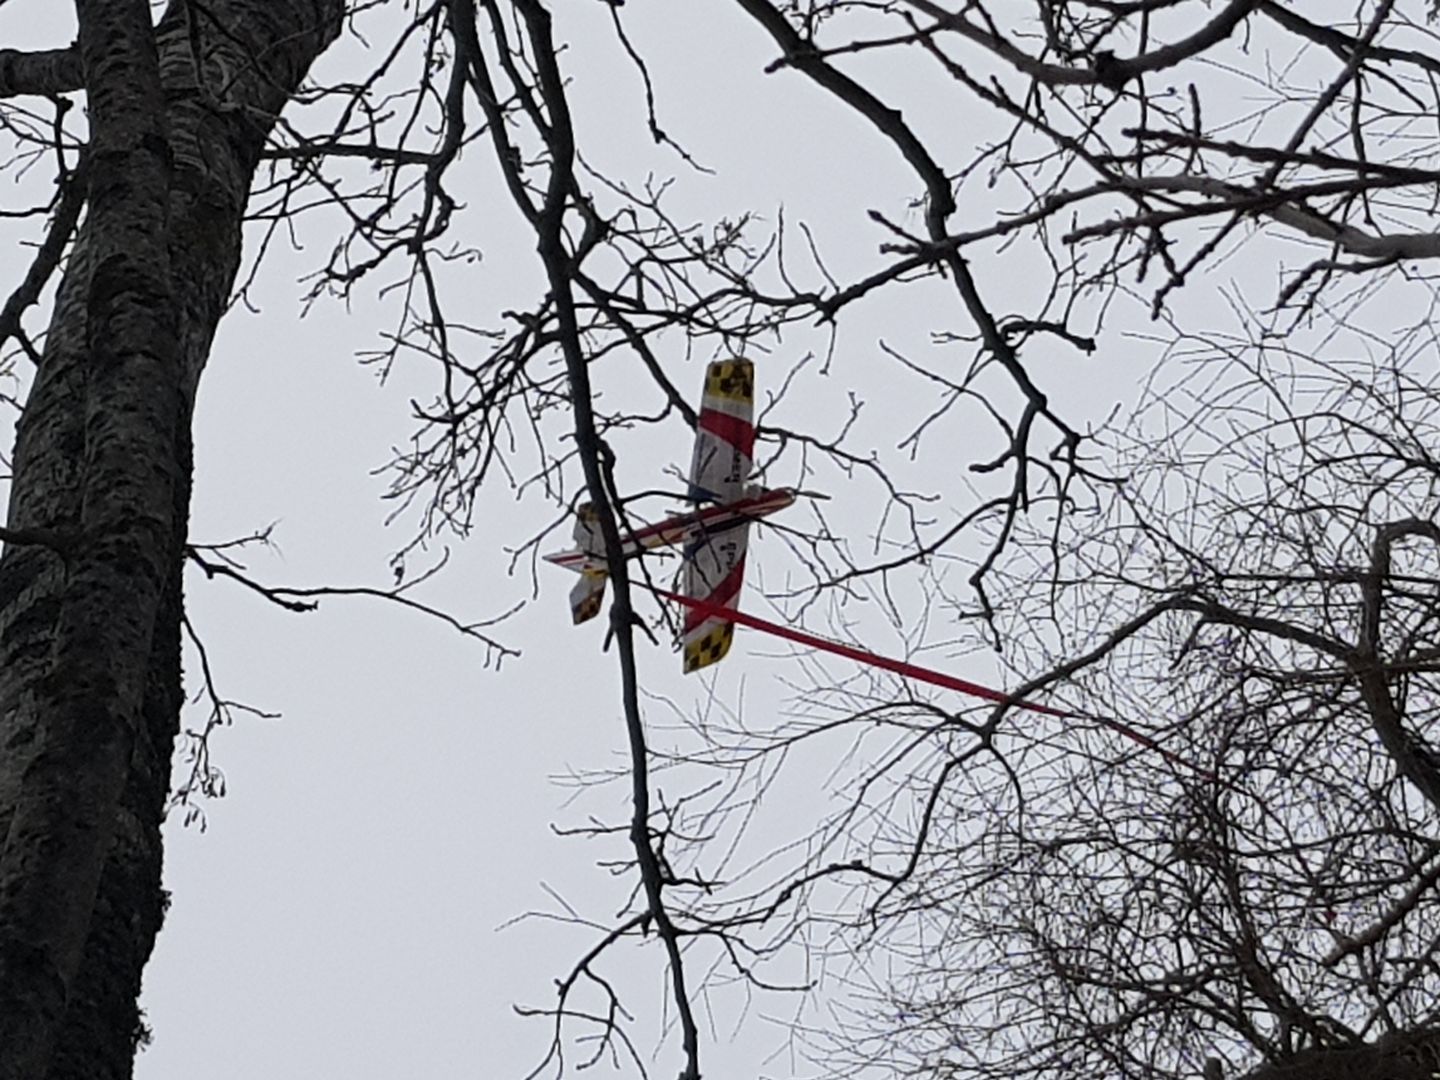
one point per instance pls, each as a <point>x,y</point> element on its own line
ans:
<point>341,914</point>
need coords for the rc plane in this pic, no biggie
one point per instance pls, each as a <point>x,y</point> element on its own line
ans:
<point>712,537</point>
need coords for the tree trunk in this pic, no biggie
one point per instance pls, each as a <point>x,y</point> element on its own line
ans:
<point>90,613</point>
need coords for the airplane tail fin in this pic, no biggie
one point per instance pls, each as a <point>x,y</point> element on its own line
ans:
<point>588,594</point>
<point>587,530</point>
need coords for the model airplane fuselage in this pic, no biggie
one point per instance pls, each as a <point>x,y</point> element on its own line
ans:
<point>713,536</point>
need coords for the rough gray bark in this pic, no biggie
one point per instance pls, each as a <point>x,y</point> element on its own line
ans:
<point>89,624</point>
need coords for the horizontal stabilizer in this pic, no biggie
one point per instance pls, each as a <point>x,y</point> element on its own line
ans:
<point>588,595</point>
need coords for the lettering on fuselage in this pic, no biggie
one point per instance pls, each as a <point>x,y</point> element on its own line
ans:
<point>733,479</point>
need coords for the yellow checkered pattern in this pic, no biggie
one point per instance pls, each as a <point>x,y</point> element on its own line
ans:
<point>709,648</point>
<point>589,607</point>
<point>731,380</point>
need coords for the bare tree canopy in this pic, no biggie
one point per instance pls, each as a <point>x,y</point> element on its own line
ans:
<point>1216,851</point>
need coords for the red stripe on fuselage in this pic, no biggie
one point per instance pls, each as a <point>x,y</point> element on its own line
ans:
<point>738,432</point>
